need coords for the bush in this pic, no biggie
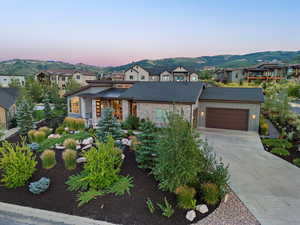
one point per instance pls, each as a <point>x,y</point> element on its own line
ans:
<point>38,115</point>
<point>146,149</point>
<point>264,126</point>
<point>17,164</point>
<point>39,136</point>
<point>46,130</point>
<point>39,186</point>
<point>179,160</point>
<point>131,123</point>
<point>85,197</point>
<point>280,151</point>
<point>166,208</point>
<point>30,135</point>
<point>48,159</point>
<point>150,205</point>
<point>296,161</point>
<point>74,123</point>
<point>210,193</point>
<point>70,143</point>
<point>60,130</point>
<point>69,157</point>
<point>186,197</point>
<point>121,186</point>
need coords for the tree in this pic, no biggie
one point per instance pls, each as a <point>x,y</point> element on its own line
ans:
<point>47,107</point>
<point>146,152</point>
<point>34,89</point>
<point>24,114</point>
<point>108,125</point>
<point>206,74</point>
<point>179,160</point>
<point>15,83</point>
<point>72,85</point>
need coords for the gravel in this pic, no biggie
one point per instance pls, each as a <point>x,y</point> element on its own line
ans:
<point>233,212</point>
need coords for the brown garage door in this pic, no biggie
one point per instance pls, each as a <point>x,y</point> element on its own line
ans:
<point>235,119</point>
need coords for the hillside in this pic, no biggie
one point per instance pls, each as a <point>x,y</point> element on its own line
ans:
<point>31,67</point>
<point>218,61</point>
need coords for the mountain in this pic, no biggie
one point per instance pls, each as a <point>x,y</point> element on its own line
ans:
<point>221,61</point>
<point>31,67</point>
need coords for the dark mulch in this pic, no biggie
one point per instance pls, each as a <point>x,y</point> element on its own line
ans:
<point>127,209</point>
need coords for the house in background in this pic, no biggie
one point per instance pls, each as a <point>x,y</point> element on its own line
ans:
<point>8,98</point>
<point>225,108</point>
<point>5,80</point>
<point>61,77</point>
<point>138,73</point>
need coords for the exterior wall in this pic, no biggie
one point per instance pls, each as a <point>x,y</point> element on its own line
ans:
<point>194,77</point>
<point>254,109</point>
<point>137,73</point>
<point>6,80</point>
<point>125,109</point>
<point>166,73</point>
<point>235,76</point>
<point>154,78</point>
<point>149,111</point>
<point>133,73</point>
<point>82,78</point>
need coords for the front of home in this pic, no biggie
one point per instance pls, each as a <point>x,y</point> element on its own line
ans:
<point>7,105</point>
<point>225,108</point>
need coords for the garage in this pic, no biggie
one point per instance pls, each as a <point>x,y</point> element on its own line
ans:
<point>230,108</point>
<point>224,118</point>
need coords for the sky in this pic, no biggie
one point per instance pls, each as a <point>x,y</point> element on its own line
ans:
<point>116,32</point>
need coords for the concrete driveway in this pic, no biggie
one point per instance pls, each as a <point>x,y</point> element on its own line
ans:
<point>268,185</point>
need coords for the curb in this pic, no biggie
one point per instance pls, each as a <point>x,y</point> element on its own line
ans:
<point>40,216</point>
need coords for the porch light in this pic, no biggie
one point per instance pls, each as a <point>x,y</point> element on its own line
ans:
<point>201,113</point>
<point>254,116</point>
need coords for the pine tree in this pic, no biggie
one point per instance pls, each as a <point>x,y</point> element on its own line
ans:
<point>24,115</point>
<point>146,153</point>
<point>108,125</point>
<point>47,107</point>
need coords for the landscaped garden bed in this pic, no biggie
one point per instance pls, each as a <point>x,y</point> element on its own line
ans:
<point>163,177</point>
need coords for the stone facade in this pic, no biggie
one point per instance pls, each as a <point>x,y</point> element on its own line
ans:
<point>254,112</point>
<point>137,73</point>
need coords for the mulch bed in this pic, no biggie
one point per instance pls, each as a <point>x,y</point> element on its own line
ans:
<point>126,209</point>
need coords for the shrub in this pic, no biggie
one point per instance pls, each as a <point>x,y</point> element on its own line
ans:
<point>179,160</point>
<point>69,122</point>
<point>146,152</point>
<point>280,151</point>
<point>17,164</point>
<point>69,157</point>
<point>280,143</point>
<point>122,185</point>
<point>30,135</point>
<point>79,124</point>
<point>60,130</point>
<point>131,123</point>
<point>74,123</point>
<point>296,161</point>
<point>150,205</point>
<point>70,143</point>
<point>46,130</point>
<point>39,136</point>
<point>264,126</point>
<point>85,197</point>
<point>210,193</point>
<point>166,208</point>
<point>48,159</point>
<point>185,197</point>
<point>39,186</point>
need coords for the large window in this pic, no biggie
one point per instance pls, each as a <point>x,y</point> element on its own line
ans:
<point>160,116</point>
<point>75,105</point>
<point>165,77</point>
<point>104,103</point>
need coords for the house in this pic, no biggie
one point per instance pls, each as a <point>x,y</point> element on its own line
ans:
<point>7,105</point>
<point>61,77</point>
<point>230,75</point>
<point>227,108</point>
<point>5,80</point>
<point>138,73</point>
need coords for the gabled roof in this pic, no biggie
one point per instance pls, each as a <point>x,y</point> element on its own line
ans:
<point>8,97</point>
<point>179,92</point>
<point>233,94</point>
<point>110,93</point>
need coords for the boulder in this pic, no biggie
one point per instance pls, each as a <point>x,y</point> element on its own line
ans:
<point>202,208</point>
<point>88,141</point>
<point>123,156</point>
<point>190,215</point>
<point>81,160</point>
<point>59,147</point>
<point>78,147</point>
<point>54,136</point>
<point>87,147</point>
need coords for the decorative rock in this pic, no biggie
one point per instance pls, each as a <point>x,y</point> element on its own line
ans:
<point>226,198</point>
<point>54,136</point>
<point>190,215</point>
<point>78,147</point>
<point>59,147</point>
<point>39,186</point>
<point>81,160</point>
<point>123,156</point>
<point>202,208</point>
<point>86,147</point>
<point>88,141</point>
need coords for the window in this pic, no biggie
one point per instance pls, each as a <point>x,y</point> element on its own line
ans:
<point>78,77</point>
<point>130,77</point>
<point>165,77</point>
<point>236,76</point>
<point>63,78</point>
<point>143,78</point>
<point>160,116</point>
<point>194,78</point>
<point>75,105</point>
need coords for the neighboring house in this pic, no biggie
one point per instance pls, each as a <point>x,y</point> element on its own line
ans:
<point>5,80</point>
<point>7,105</point>
<point>117,76</point>
<point>227,108</point>
<point>61,77</point>
<point>138,73</point>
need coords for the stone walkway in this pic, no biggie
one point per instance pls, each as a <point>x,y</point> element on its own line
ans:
<point>233,212</point>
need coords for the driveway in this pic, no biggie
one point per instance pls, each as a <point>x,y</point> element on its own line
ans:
<point>268,185</point>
